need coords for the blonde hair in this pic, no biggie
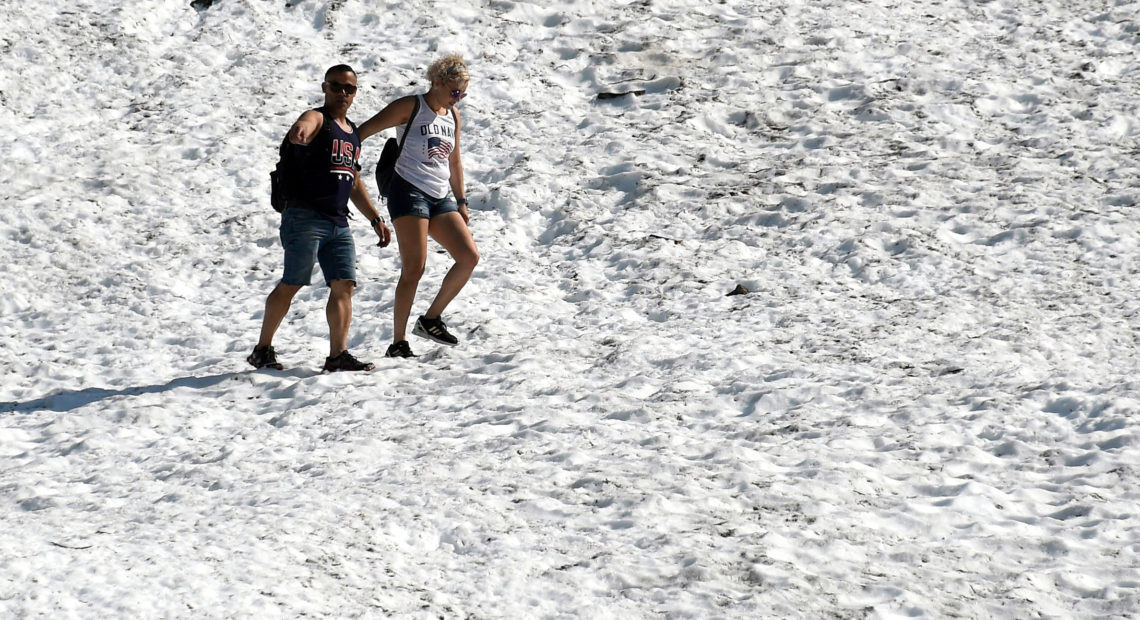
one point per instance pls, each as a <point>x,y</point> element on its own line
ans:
<point>450,68</point>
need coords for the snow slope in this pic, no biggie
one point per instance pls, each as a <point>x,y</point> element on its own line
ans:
<point>926,405</point>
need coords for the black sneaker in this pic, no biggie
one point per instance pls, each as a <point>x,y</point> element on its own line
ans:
<point>434,329</point>
<point>264,357</point>
<point>345,361</point>
<point>400,349</point>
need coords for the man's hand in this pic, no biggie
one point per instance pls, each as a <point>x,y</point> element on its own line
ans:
<point>383,232</point>
<point>306,127</point>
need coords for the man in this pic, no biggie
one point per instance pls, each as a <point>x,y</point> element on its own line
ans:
<point>324,153</point>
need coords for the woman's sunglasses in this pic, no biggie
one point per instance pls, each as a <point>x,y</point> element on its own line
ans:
<point>458,94</point>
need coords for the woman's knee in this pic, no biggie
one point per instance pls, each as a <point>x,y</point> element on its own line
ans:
<point>468,258</point>
<point>412,272</point>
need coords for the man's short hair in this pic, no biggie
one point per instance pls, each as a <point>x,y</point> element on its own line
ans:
<point>339,69</point>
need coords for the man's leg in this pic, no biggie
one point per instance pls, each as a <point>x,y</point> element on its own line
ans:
<point>339,313</point>
<point>276,307</point>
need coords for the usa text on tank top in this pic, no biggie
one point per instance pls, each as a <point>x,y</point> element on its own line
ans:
<point>332,172</point>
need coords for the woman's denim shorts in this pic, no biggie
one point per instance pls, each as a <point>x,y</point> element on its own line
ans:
<point>309,237</point>
<point>407,199</point>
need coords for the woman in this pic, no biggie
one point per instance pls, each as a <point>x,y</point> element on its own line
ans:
<point>418,200</point>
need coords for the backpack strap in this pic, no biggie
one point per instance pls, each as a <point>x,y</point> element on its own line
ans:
<point>326,126</point>
<point>325,133</point>
<point>408,127</point>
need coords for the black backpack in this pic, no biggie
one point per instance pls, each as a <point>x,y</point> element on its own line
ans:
<point>386,166</point>
<point>283,180</point>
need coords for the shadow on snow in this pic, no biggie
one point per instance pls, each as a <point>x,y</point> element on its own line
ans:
<point>64,400</point>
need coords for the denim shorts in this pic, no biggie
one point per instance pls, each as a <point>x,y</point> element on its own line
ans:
<point>407,199</point>
<point>308,237</point>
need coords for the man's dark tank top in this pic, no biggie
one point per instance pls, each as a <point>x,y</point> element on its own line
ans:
<point>327,170</point>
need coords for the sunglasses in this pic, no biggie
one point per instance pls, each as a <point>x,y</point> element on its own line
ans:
<point>458,94</point>
<point>337,87</point>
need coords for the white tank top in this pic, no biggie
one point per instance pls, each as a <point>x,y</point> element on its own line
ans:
<point>425,160</point>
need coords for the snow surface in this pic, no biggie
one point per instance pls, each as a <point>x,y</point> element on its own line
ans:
<point>925,407</point>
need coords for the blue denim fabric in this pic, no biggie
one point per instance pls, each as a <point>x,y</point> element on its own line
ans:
<point>407,199</point>
<point>308,237</point>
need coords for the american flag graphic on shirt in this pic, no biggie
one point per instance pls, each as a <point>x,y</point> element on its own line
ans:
<point>438,148</point>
